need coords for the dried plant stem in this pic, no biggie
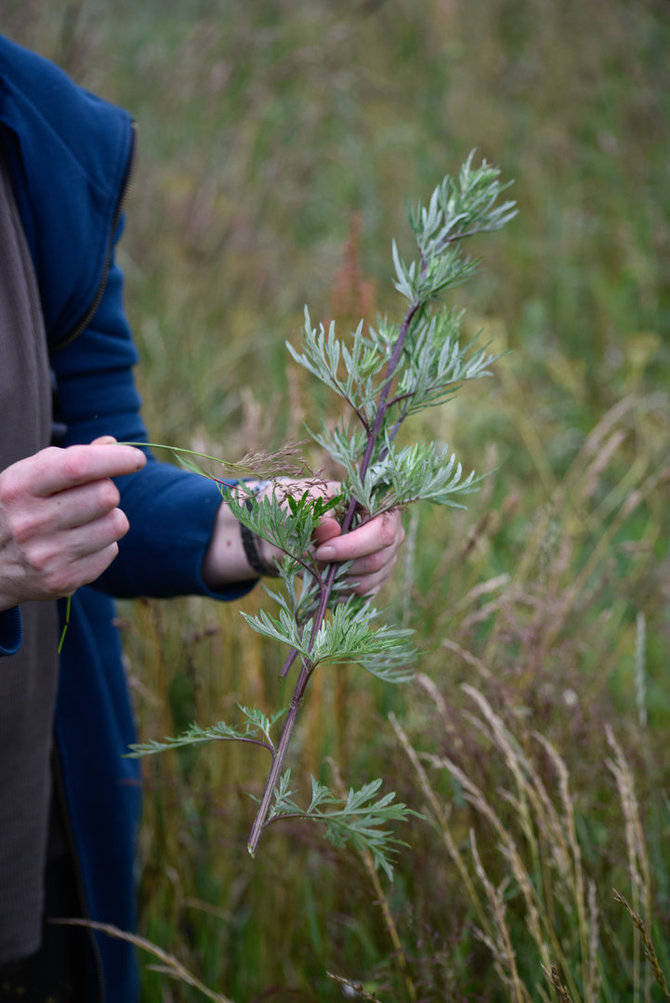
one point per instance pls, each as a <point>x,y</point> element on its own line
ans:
<point>442,821</point>
<point>649,948</point>
<point>638,861</point>
<point>504,956</point>
<point>389,922</point>
<point>549,833</point>
<point>169,966</point>
<point>565,853</point>
<point>554,977</point>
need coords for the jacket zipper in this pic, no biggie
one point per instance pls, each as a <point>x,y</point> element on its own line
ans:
<point>80,326</point>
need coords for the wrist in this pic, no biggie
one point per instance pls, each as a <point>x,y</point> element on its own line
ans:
<point>261,555</point>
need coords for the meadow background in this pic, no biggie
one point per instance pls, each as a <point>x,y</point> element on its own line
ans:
<point>278,144</point>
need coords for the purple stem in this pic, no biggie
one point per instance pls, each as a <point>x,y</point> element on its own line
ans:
<point>307,666</point>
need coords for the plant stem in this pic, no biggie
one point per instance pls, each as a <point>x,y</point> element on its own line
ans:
<point>307,667</point>
<point>278,761</point>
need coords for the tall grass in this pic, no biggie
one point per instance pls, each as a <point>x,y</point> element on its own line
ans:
<point>277,143</point>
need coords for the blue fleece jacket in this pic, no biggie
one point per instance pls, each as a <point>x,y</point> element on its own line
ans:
<point>70,155</point>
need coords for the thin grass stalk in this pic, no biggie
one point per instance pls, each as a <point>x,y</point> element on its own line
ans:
<point>577,870</point>
<point>590,478</point>
<point>633,501</point>
<point>623,780</point>
<point>474,795</point>
<point>442,821</point>
<point>389,922</point>
<point>592,445</point>
<point>170,965</point>
<point>529,433</point>
<point>567,855</point>
<point>546,817</point>
<point>533,921</point>
<point>649,948</point>
<point>504,951</point>
<point>638,859</point>
<point>565,493</point>
<point>617,496</point>
<point>639,673</point>
<point>409,560</point>
<point>515,760</point>
<point>593,985</point>
<point>477,663</point>
<point>554,977</point>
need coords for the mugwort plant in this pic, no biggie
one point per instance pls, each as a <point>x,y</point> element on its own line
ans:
<point>383,375</point>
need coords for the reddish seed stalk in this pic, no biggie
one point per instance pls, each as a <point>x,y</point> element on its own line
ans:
<point>307,667</point>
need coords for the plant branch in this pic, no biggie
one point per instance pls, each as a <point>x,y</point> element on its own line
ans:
<point>275,771</point>
<point>326,593</point>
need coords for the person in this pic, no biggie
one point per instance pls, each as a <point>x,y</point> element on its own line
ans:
<point>91,519</point>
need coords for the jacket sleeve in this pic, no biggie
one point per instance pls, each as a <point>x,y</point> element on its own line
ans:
<point>171,511</point>
<point>11,631</point>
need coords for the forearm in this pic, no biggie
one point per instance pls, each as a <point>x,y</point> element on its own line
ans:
<point>226,561</point>
<point>236,554</point>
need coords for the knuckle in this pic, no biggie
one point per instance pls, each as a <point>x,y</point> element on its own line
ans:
<point>11,487</point>
<point>108,494</point>
<point>375,562</point>
<point>60,583</point>
<point>43,560</point>
<point>388,530</point>
<point>51,569</point>
<point>119,523</point>
<point>21,527</point>
<point>26,527</point>
<point>74,463</point>
<point>104,558</point>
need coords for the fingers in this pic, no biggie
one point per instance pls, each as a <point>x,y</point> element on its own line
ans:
<point>381,532</point>
<point>55,470</point>
<point>326,530</point>
<point>59,518</point>
<point>372,548</point>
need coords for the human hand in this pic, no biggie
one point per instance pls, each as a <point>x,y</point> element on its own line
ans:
<point>372,547</point>
<point>60,520</point>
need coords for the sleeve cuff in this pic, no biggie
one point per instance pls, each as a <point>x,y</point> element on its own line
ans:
<point>172,514</point>
<point>11,631</point>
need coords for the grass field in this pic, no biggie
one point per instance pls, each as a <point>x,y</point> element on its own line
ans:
<point>278,145</point>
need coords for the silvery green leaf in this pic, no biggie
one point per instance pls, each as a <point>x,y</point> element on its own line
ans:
<point>342,443</point>
<point>403,280</point>
<point>256,730</point>
<point>361,819</point>
<point>283,629</point>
